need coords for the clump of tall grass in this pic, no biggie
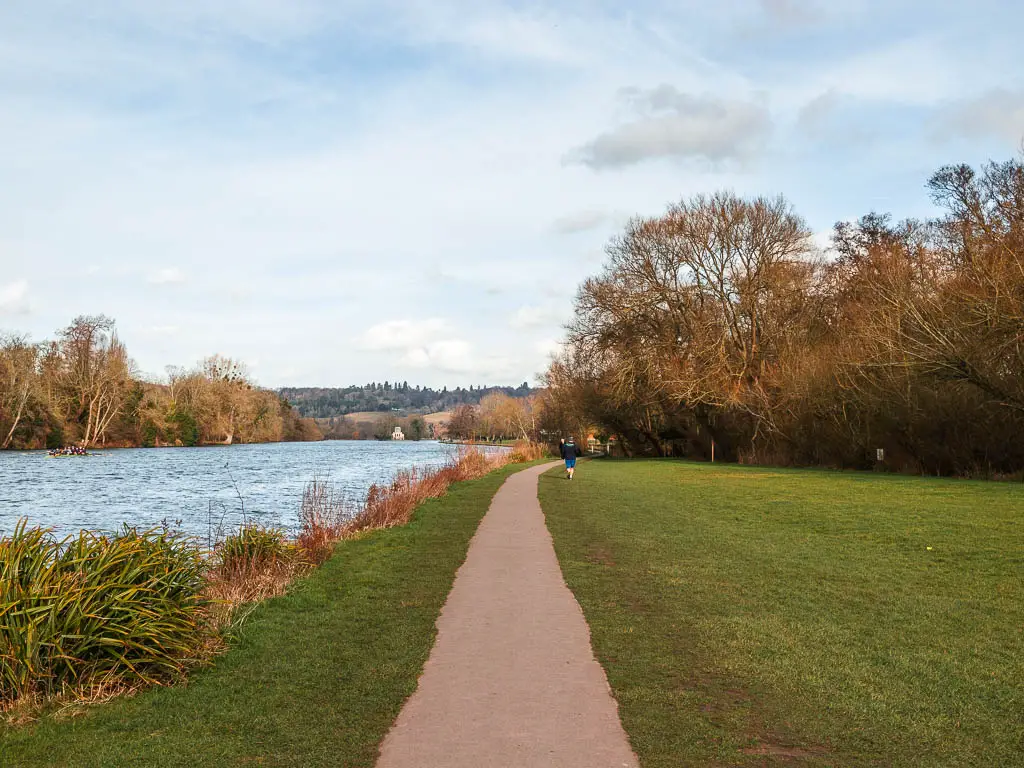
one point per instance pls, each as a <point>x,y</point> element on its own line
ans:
<point>389,505</point>
<point>250,564</point>
<point>322,519</point>
<point>125,609</point>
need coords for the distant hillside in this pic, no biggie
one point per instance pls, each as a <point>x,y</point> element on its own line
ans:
<point>323,403</point>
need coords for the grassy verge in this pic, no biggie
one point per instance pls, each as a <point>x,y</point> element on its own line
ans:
<point>313,678</point>
<point>753,616</point>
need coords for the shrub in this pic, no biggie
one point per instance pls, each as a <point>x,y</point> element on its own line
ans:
<point>127,608</point>
<point>253,546</point>
<point>187,427</point>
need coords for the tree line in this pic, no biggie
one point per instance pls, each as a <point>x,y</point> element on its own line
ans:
<point>333,402</point>
<point>720,325</point>
<point>82,388</point>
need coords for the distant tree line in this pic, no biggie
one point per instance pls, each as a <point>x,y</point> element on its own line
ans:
<point>324,403</point>
<point>497,416</point>
<point>83,388</point>
<point>377,427</point>
<point>720,323</point>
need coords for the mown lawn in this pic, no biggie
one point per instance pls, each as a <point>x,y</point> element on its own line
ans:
<point>315,678</point>
<point>753,616</point>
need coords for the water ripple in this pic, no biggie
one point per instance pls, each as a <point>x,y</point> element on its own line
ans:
<point>142,487</point>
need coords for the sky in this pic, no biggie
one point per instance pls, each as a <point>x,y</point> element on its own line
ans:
<point>340,191</point>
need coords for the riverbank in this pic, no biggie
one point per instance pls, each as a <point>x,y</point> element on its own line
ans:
<point>750,616</point>
<point>313,677</point>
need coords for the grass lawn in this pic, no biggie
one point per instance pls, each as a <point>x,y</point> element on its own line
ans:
<point>752,616</point>
<point>315,678</point>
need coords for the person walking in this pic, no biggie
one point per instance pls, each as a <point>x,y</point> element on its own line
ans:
<point>570,451</point>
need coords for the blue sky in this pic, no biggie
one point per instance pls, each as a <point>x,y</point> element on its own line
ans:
<point>342,191</point>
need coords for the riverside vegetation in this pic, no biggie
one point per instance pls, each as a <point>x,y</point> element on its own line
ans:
<point>83,388</point>
<point>95,615</point>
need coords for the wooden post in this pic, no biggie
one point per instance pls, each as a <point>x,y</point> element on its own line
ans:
<point>712,451</point>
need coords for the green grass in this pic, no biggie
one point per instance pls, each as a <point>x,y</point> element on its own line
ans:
<point>753,616</point>
<point>314,678</point>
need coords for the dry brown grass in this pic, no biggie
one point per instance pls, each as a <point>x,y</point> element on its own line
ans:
<point>524,451</point>
<point>323,517</point>
<point>390,505</point>
<point>257,563</point>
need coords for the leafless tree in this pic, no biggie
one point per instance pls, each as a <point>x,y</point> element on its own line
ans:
<point>18,380</point>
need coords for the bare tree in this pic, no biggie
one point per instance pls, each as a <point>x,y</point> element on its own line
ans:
<point>18,380</point>
<point>95,373</point>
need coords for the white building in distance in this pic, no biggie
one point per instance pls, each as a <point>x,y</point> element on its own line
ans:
<point>398,434</point>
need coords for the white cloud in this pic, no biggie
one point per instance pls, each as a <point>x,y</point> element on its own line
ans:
<point>816,113</point>
<point>403,334</point>
<point>168,276</point>
<point>422,344</point>
<point>998,113</point>
<point>791,12</point>
<point>14,298</point>
<point>673,124</point>
<point>449,355</point>
<point>531,316</point>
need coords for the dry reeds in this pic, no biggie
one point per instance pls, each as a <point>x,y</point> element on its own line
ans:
<point>322,517</point>
<point>525,450</point>
<point>248,566</point>
<point>390,505</point>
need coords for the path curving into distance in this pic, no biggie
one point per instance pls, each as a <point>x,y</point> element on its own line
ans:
<point>512,679</point>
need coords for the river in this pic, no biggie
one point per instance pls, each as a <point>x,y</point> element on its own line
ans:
<point>200,487</point>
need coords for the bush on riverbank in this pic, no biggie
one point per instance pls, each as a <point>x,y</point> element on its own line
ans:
<point>322,518</point>
<point>121,610</point>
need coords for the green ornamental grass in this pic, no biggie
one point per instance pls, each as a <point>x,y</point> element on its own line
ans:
<point>125,608</point>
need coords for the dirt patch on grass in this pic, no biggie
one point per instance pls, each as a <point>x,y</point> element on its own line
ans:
<point>600,555</point>
<point>786,752</point>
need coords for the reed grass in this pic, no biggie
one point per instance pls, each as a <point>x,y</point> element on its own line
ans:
<point>526,450</point>
<point>393,504</point>
<point>322,518</point>
<point>250,564</point>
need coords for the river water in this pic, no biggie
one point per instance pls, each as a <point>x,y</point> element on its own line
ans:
<point>203,488</point>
